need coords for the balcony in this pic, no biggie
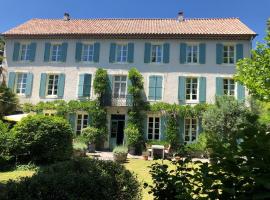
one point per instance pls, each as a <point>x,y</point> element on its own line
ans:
<point>119,101</point>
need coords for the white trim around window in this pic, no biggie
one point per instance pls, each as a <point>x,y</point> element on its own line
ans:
<point>82,119</point>
<point>55,54</point>
<point>230,59</point>
<point>156,55</point>
<point>24,52</point>
<point>121,80</point>
<point>192,53</point>
<point>191,135</point>
<point>88,54</point>
<point>151,130</point>
<point>190,96</point>
<point>52,85</point>
<point>20,83</point>
<point>121,53</point>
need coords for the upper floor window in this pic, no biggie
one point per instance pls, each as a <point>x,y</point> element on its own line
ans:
<point>192,54</point>
<point>82,122</point>
<point>52,85</point>
<point>192,89</point>
<point>88,52</point>
<point>121,53</point>
<point>119,86</point>
<point>153,131</point>
<point>228,87</point>
<point>21,83</point>
<point>25,52</point>
<point>56,52</point>
<point>191,130</point>
<point>156,53</point>
<point>228,54</point>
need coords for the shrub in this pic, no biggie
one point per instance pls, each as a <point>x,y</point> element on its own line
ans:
<point>45,139</point>
<point>120,153</point>
<point>133,135</point>
<point>82,179</point>
<point>91,135</point>
<point>8,101</point>
<point>198,148</point>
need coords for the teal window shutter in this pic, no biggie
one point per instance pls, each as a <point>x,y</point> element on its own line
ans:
<point>33,47</point>
<point>239,52</point>
<point>11,80</point>
<point>166,53</point>
<point>72,120</point>
<point>78,53</point>
<point>219,86</point>
<point>87,85</point>
<point>61,85</point>
<point>158,88</point>
<point>202,53</point>
<point>80,87</point>
<point>64,51</point>
<point>162,127</point>
<point>152,88</point>
<point>219,53</point>
<point>16,51</point>
<point>89,122</point>
<point>183,53</point>
<point>96,52</point>
<point>202,89</point>
<point>112,53</point>
<point>147,52</point>
<point>29,83</point>
<point>240,92</point>
<point>182,89</point>
<point>130,52</point>
<point>181,129</point>
<point>47,52</point>
<point>42,87</point>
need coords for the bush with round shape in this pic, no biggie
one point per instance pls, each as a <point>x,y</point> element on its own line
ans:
<point>82,179</point>
<point>45,139</point>
<point>133,135</point>
<point>120,153</point>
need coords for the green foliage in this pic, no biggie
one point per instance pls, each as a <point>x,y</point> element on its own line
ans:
<point>8,101</point>
<point>82,179</point>
<point>120,150</point>
<point>157,142</point>
<point>45,139</point>
<point>92,135</point>
<point>132,134</point>
<point>100,84</point>
<point>198,147</point>
<point>79,146</point>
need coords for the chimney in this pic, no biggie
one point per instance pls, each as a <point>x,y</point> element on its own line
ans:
<point>180,16</point>
<point>66,17</point>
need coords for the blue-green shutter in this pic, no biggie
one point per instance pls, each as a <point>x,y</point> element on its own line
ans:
<point>130,52</point>
<point>240,92</point>
<point>80,87</point>
<point>61,85</point>
<point>182,89</point>
<point>202,53</point>
<point>33,47</point>
<point>219,86</point>
<point>108,92</point>
<point>181,129</point>
<point>89,122</point>
<point>219,53</point>
<point>16,51</point>
<point>42,87</point>
<point>112,53</point>
<point>47,52</point>
<point>96,52</point>
<point>158,88</point>
<point>202,89</point>
<point>72,120</point>
<point>29,83</point>
<point>166,53</point>
<point>152,88</point>
<point>11,80</point>
<point>163,120</point>
<point>183,52</point>
<point>239,52</point>
<point>87,85</point>
<point>78,53</point>
<point>64,47</point>
<point>147,52</point>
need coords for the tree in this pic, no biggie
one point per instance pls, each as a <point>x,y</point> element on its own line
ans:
<point>254,72</point>
<point>8,101</point>
<point>100,84</point>
<point>2,70</point>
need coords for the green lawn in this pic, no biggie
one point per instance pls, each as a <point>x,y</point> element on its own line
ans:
<point>14,175</point>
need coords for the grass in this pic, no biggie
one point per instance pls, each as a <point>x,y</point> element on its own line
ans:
<point>14,175</point>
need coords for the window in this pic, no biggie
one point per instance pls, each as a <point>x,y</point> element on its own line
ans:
<point>153,128</point>
<point>191,89</point>
<point>21,83</point>
<point>191,130</point>
<point>56,52</point>
<point>228,54</point>
<point>25,52</point>
<point>156,53</point>
<point>52,85</point>
<point>192,53</point>
<point>82,122</point>
<point>120,86</point>
<point>88,52</point>
<point>228,87</point>
<point>121,53</point>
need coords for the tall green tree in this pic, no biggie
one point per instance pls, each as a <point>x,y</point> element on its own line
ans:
<point>8,101</point>
<point>2,70</point>
<point>254,72</point>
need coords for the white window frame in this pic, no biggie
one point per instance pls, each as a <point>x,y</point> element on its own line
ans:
<point>21,83</point>
<point>156,53</point>
<point>82,122</point>
<point>228,53</point>
<point>88,56</point>
<point>192,45</point>
<point>122,60</point>
<point>190,130</point>
<point>58,52</point>
<point>120,82</point>
<point>197,94</point>
<point>47,85</point>
<point>153,131</point>
<point>229,87</point>
<point>27,51</point>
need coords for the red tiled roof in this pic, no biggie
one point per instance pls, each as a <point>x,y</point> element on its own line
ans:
<point>129,27</point>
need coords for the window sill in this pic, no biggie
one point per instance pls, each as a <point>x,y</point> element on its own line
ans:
<point>51,97</point>
<point>192,101</point>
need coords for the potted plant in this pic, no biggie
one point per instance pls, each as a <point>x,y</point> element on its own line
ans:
<point>133,137</point>
<point>91,135</point>
<point>120,153</point>
<point>145,155</point>
<point>79,148</point>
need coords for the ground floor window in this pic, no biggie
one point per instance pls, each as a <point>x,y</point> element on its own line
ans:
<point>228,87</point>
<point>153,128</point>
<point>191,130</point>
<point>82,122</point>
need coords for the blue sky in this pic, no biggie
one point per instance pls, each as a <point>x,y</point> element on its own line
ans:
<point>252,13</point>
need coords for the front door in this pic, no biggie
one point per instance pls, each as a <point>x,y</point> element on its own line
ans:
<point>117,130</point>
